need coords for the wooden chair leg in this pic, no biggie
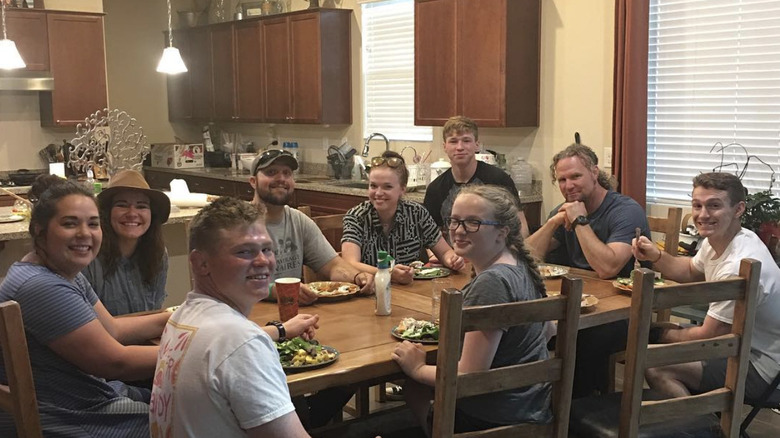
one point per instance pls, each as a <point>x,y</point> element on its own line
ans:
<point>380,393</point>
<point>362,402</point>
<point>663,315</point>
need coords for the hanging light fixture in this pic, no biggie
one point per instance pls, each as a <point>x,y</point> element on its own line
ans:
<point>10,59</point>
<point>170,62</point>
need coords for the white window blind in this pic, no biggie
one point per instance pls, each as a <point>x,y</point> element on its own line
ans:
<point>713,76</point>
<point>388,71</point>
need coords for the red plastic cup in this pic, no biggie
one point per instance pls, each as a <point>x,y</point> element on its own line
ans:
<point>287,290</point>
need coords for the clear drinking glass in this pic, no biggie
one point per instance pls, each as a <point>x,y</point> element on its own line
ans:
<point>437,285</point>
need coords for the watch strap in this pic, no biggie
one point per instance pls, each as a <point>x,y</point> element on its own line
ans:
<point>580,220</point>
<point>280,327</point>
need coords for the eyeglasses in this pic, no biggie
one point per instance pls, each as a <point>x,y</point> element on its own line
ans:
<point>470,225</point>
<point>390,161</point>
<point>268,156</point>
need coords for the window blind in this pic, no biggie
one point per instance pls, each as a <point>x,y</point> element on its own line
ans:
<point>713,77</point>
<point>388,71</point>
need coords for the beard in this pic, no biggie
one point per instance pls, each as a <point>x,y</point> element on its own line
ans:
<point>269,198</point>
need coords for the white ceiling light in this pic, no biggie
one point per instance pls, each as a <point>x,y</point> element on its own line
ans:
<point>10,59</point>
<point>171,62</point>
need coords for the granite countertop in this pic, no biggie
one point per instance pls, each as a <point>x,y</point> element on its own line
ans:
<point>322,183</point>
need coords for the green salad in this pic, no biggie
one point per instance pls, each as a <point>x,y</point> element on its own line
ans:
<point>414,329</point>
<point>298,352</point>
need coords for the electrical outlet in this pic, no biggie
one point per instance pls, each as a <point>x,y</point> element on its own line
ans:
<point>607,157</point>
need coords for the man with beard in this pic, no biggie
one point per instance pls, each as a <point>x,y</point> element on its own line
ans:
<point>298,240</point>
<point>592,230</point>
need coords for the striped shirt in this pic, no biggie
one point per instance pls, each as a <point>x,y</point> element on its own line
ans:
<point>413,229</point>
<point>71,402</point>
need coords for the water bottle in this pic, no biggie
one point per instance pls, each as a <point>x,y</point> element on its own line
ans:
<point>382,283</point>
<point>522,173</point>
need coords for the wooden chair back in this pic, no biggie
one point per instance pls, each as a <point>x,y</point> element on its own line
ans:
<point>670,226</point>
<point>450,385</point>
<point>18,396</point>
<point>330,225</point>
<point>735,345</point>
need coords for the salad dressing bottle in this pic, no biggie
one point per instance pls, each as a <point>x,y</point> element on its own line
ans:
<point>382,283</point>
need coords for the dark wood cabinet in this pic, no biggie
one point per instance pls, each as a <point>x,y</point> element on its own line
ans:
<point>28,29</point>
<point>179,85</point>
<point>201,77</point>
<point>250,102</point>
<point>288,68</point>
<point>77,59</point>
<point>222,63</point>
<point>492,78</point>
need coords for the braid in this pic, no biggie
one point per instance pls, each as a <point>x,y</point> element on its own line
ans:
<point>517,246</point>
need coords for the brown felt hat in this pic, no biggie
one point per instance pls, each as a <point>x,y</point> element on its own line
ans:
<point>129,179</point>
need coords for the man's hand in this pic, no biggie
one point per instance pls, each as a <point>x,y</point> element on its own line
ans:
<point>572,211</point>
<point>402,274</point>
<point>302,325</point>
<point>644,249</point>
<point>306,297</point>
<point>366,283</point>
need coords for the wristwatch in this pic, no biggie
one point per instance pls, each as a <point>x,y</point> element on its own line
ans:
<point>279,326</point>
<point>581,220</point>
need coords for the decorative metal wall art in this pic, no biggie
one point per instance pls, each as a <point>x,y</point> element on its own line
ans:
<point>110,140</point>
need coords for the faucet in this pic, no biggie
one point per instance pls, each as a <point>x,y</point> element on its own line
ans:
<point>368,140</point>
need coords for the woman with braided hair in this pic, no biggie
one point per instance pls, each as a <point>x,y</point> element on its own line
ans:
<point>484,229</point>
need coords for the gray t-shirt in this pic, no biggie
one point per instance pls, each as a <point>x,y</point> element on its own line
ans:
<point>615,220</point>
<point>521,344</point>
<point>298,241</point>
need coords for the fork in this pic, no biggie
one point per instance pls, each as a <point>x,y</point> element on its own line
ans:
<point>638,232</point>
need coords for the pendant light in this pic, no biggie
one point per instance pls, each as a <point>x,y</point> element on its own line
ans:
<point>170,62</point>
<point>10,59</point>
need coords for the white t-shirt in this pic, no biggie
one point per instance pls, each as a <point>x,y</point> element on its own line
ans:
<point>765,346</point>
<point>218,374</point>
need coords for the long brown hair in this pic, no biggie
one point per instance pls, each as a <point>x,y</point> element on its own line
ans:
<point>505,211</point>
<point>148,253</point>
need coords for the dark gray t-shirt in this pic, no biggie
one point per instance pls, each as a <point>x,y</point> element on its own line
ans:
<point>522,344</point>
<point>614,221</point>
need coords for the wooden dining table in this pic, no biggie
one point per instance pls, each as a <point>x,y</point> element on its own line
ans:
<point>365,342</point>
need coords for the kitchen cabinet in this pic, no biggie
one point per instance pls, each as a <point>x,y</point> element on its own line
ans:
<point>28,29</point>
<point>77,58</point>
<point>477,58</point>
<point>201,77</point>
<point>250,104</point>
<point>222,62</point>
<point>307,61</point>
<point>179,85</point>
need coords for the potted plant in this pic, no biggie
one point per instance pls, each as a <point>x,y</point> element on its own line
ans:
<point>762,215</point>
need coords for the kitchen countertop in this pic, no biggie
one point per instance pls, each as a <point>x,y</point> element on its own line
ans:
<point>319,183</point>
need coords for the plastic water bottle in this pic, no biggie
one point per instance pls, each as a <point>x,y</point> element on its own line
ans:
<point>522,173</point>
<point>382,283</point>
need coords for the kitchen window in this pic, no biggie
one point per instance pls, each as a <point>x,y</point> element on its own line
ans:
<point>713,76</point>
<point>388,70</point>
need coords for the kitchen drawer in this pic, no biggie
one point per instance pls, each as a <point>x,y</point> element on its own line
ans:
<point>158,180</point>
<point>211,186</point>
<point>244,191</point>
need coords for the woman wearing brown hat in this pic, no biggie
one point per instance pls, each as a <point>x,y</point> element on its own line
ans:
<point>130,272</point>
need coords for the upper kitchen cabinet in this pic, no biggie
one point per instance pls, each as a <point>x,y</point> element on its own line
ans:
<point>27,28</point>
<point>306,56</point>
<point>179,96</point>
<point>477,58</point>
<point>77,60</point>
<point>201,74</point>
<point>222,67</point>
<point>249,71</point>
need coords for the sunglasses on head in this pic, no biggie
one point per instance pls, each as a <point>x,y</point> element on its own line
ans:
<point>390,161</point>
<point>269,156</point>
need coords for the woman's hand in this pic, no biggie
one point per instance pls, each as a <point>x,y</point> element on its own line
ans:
<point>454,261</point>
<point>302,325</point>
<point>410,357</point>
<point>366,283</point>
<point>402,274</point>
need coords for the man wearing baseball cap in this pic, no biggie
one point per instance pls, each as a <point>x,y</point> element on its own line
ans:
<point>298,240</point>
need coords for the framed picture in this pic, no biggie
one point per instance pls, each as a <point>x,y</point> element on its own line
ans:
<point>252,9</point>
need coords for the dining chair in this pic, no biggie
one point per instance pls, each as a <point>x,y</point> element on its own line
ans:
<point>18,396</point>
<point>670,227</point>
<point>328,225</point>
<point>637,412</point>
<point>452,385</point>
<point>763,402</point>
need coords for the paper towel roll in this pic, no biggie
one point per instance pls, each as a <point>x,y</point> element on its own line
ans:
<point>179,186</point>
<point>188,199</point>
